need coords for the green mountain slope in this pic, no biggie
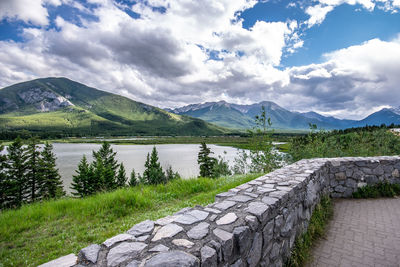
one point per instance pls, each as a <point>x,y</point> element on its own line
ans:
<point>62,105</point>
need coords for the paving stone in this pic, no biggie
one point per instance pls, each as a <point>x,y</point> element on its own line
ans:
<point>213,217</point>
<point>142,238</point>
<point>173,259</point>
<point>227,219</point>
<point>123,252</point>
<point>90,253</point>
<point>183,243</point>
<point>265,190</point>
<point>118,238</point>
<point>167,231</point>
<point>191,217</point>
<point>159,248</point>
<point>224,205</point>
<point>240,198</point>
<point>208,256</point>
<point>199,231</point>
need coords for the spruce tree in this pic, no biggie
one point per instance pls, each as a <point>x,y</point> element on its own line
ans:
<point>105,167</point>
<point>80,181</point>
<point>121,177</point>
<point>33,173</point>
<point>153,173</point>
<point>4,181</point>
<point>16,164</point>
<point>205,161</point>
<point>51,185</point>
<point>133,181</point>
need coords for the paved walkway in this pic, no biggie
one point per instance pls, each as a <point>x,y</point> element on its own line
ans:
<point>362,233</point>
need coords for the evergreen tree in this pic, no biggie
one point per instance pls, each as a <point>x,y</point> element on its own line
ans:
<point>5,185</point>
<point>121,177</point>
<point>97,179</point>
<point>33,173</point>
<point>133,181</point>
<point>80,181</point>
<point>105,167</point>
<point>153,173</point>
<point>16,164</point>
<point>171,175</point>
<point>51,185</point>
<point>205,161</point>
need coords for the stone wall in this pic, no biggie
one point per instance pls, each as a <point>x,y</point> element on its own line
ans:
<point>254,224</point>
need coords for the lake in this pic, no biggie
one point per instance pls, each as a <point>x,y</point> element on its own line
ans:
<point>182,157</point>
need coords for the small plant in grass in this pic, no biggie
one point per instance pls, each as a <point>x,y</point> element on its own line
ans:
<point>381,189</point>
<point>316,228</point>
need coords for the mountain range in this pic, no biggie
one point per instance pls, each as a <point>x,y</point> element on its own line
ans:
<point>63,106</point>
<point>236,116</point>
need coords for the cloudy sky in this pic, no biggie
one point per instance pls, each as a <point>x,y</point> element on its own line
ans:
<point>336,57</point>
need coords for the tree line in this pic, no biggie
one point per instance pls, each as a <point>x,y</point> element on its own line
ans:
<point>28,174</point>
<point>105,174</point>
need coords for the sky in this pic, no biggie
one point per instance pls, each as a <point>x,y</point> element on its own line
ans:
<point>335,57</point>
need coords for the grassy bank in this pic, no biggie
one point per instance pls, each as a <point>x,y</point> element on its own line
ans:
<point>301,251</point>
<point>41,232</point>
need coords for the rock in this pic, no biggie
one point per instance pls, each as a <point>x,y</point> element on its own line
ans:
<point>242,237</point>
<point>223,195</point>
<point>255,252</point>
<point>123,252</point>
<point>265,190</point>
<point>65,261</point>
<point>173,259</point>
<point>340,189</point>
<point>142,238</point>
<point>166,220</point>
<point>133,263</point>
<point>191,217</point>
<point>217,246</point>
<point>226,240</point>
<point>238,263</point>
<point>378,170</point>
<point>351,183</point>
<point>240,198</point>
<point>287,228</point>
<point>90,253</point>
<point>274,251</point>
<point>224,205</point>
<point>199,231</point>
<point>227,219</point>
<point>395,173</point>
<point>258,209</point>
<point>208,256</point>
<point>213,217</point>
<point>252,222</point>
<point>118,238</point>
<point>271,201</point>
<point>166,231</point>
<point>159,248</point>
<point>182,243</point>
<point>213,210</point>
<point>268,232</point>
<point>311,193</point>
<point>340,176</point>
<point>142,228</point>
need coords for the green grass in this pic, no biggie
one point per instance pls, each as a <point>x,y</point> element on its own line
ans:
<point>37,233</point>
<point>381,189</point>
<point>301,251</point>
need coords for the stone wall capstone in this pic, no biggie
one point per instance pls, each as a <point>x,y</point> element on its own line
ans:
<point>254,224</point>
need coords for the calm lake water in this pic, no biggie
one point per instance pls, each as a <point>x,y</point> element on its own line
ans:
<point>182,157</point>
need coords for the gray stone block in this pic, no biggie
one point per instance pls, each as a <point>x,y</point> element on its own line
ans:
<point>142,228</point>
<point>90,253</point>
<point>124,252</point>
<point>208,256</point>
<point>173,259</point>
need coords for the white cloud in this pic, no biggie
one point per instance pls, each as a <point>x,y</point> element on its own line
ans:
<point>164,58</point>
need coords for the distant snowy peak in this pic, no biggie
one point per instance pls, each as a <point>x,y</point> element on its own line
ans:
<point>194,107</point>
<point>395,110</point>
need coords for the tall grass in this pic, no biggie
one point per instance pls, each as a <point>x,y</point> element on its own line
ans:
<point>39,232</point>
